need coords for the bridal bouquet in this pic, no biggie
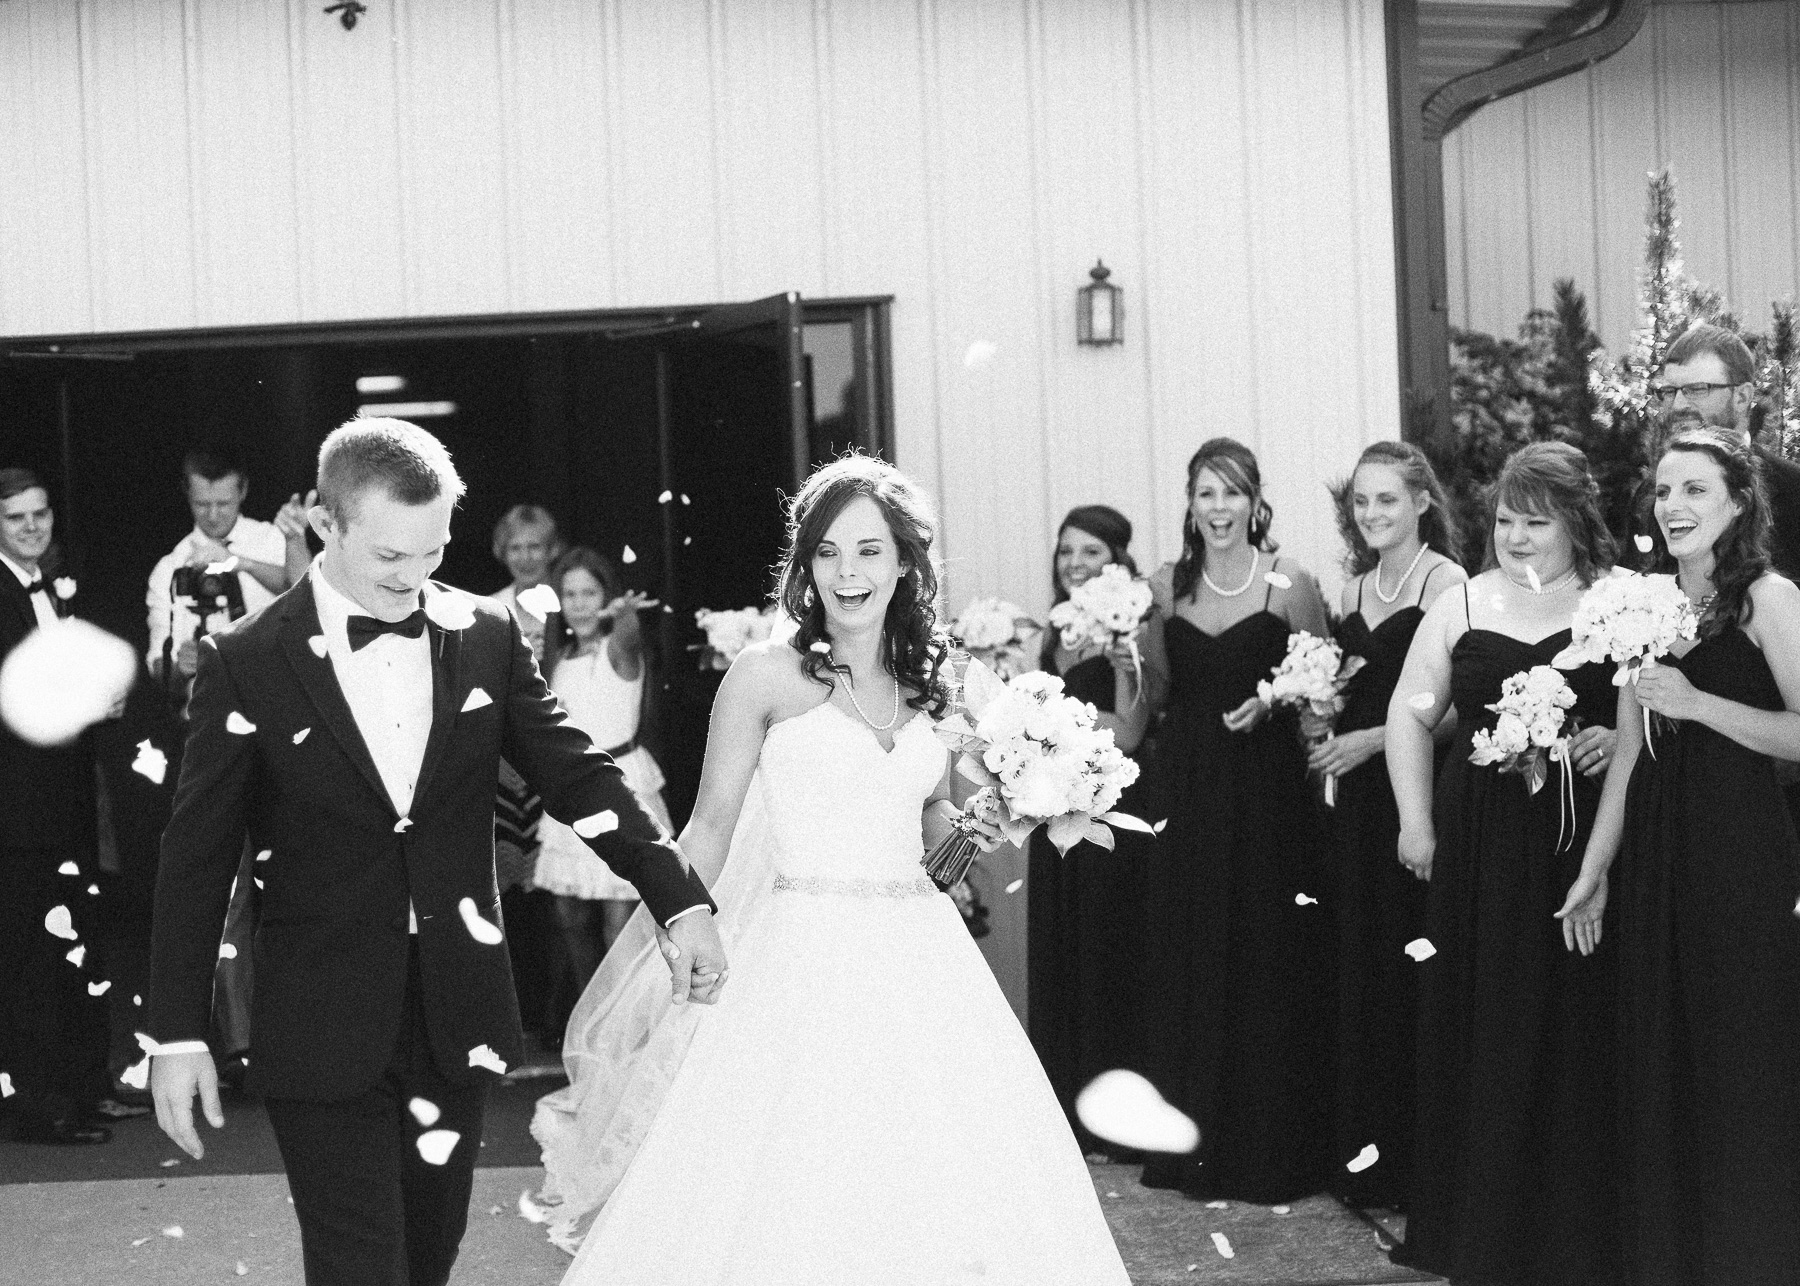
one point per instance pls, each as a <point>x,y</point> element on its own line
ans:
<point>1312,678</point>
<point>1533,707</point>
<point>993,631</point>
<point>1631,620</point>
<point>1039,760</point>
<point>729,633</point>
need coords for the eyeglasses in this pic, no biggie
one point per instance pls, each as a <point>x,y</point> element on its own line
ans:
<point>1666,393</point>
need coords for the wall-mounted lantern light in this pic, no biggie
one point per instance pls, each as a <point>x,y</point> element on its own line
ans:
<point>1100,309</point>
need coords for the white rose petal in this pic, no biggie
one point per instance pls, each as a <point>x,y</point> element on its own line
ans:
<point>68,868</point>
<point>1644,543</point>
<point>1278,580</point>
<point>1364,1159</point>
<point>62,679</point>
<point>400,827</point>
<point>236,723</point>
<point>150,763</point>
<point>1223,1246</point>
<point>1218,1205</point>
<point>173,1230</point>
<point>1124,1108</point>
<point>598,824</point>
<point>318,645</point>
<point>1421,700</point>
<point>541,600</point>
<point>76,956</point>
<point>437,1145</point>
<point>685,500</point>
<point>1421,949</point>
<point>265,855</point>
<point>629,556</point>
<point>93,890</point>
<point>531,1211</point>
<point>979,354</point>
<point>1301,899</point>
<point>483,1056</point>
<point>424,1111</point>
<point>99,988</point>
<point>137,1000</point>
<point>227,951</point>
<point>6,1085</point>
<point>242,1269</point>
<point>1158,828</point>
<point>138,1074</point>
<point>1015,886</point>
<point>480,929</point>
<point>301,735</point>
<point>665,497</point>
<point>1281,1210</point>
<point>256,881</point>
<point>57,921</point>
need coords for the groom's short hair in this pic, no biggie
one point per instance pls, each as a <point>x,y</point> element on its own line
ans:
<point>404,460</point>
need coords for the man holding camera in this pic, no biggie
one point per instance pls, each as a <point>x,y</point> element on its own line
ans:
<point>226,566</point>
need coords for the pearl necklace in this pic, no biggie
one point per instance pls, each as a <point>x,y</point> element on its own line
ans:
<point>1249,580</point>
<point>850,691</point>
<point>1559,583</point>
<point>1398,585</point>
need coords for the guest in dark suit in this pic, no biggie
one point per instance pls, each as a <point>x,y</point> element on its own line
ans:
<point>353,730</point>
<point>52,1034</point>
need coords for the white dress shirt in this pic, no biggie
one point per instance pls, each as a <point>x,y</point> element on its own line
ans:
<point>250,538</point>
<point>40,601</point>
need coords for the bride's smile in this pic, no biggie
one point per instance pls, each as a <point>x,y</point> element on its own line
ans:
<point>856,568</point>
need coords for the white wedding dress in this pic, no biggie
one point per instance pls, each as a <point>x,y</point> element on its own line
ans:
<point>860,1108</point>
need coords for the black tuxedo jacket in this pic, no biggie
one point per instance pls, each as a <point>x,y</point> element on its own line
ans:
<point>49,792</point>
<point>274,752</point>
<point>1782,478</point>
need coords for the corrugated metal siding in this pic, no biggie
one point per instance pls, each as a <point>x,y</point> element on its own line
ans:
<point>182,163</point>
<point>1550,183</point>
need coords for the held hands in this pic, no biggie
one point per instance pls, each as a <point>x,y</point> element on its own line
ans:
<point>1246,716</point>
<point>1666,691</point>
<point>1416,850</point>
<point>174,1078</point>
<point>1591,749</point>
<point>695,956</point>
<point>1582,911</point>
<point>1346,751</point>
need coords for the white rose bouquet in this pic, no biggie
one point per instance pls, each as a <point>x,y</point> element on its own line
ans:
<point>1312,678</point>
<point>1039,760</point>
<point>1103,611</point>
<point>730,632</point>
<point>1533,708</point>
<point>994,632</point>
<point>1631,620</point>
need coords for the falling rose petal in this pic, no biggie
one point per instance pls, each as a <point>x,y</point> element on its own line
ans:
<point>301,735</point>
<point>93,890</point>
<point>483,1056</point>
<point>137,1000</point>
<point>62,679</point>
<point>1278,580</point>
<point>665,497</point>
<point>68,868</point>
<point>145,1043</point>
<point>173,1230</point>
<point>150,763</point>
<point>540,601</point>
<point>480,929</point>
<point>1223,1246</point>
<point>318,645</point>
<point>1124,1108</point>
<point>227,951</point>
<point>685,500</point>
<point>1644,543</point>
<point>258,882</point>
<point>1301,899</point>
<point>58,923</point>
<point>99,988</point>
<point>1364,1159</point>
<point>170,1164</point>
<point>437,1145</point>
<point>1537,586</point>
<point>140,1241</point>
<point>531,1211</point>
<point>236,723</point>
<point>598,824</point>
<point>1421,701</point>
<point>242,1269</point>
<point>629,556</point>
<point>1015,886</point>
<point>138,1074</point>
<point>979,354</point>
<point>76,956</point>
<point>265,855</point>
<point>822,648</point>
<point>424,1111</point>
<point>6,1085</point>
<point>1158,828</point>
<point>1421,949</point>
<point>1218,1205</point>
<point>401,825</point>
<point>1281,1210</point>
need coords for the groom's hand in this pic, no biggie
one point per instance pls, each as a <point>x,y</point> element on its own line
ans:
<point>695,956</point>
<point>173,1080</point>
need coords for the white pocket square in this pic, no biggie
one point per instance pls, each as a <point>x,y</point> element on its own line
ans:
<point>477,699</point>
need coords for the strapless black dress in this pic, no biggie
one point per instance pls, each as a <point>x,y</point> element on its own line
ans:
<point>1239,1019</point>
<point>1380,908</point>
<point>1709,958</point>
<point>1516,1145</point>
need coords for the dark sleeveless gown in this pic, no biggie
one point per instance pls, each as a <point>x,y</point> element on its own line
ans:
<point>1085,939</point>
<point>1239,1014</point>
<point>1515,1149</point>
<point>1380,908</point>
<point>1709,950</point>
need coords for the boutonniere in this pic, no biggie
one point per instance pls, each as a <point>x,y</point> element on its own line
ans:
<point>449,610</point>
<point>64,587</point>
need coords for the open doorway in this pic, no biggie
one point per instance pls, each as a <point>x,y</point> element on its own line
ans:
<point>593,415</point>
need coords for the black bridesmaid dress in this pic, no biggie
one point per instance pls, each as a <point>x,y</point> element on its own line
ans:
<point>1238,1021</point>
<point>1085,939</point>
<point>1516,1144</point>
<point>1380,908</point>
<point>1709,972</point>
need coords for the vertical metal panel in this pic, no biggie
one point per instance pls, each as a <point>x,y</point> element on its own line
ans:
<point>1709,90</point>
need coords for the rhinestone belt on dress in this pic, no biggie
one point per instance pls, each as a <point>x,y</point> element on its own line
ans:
<point>858,887</point>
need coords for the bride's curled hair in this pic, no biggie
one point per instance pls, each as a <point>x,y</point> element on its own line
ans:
<point>911,646</point>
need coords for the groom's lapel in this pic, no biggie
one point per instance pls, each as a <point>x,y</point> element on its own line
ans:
<point>446,676</point>
<point>299,627</point>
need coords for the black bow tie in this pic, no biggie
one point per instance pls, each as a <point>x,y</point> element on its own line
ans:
<point>35,585</point>
<point>364,630</point>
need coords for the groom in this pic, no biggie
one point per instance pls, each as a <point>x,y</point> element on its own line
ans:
<point>352,731</point>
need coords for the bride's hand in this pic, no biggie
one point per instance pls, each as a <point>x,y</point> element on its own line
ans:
<point>695,956</point>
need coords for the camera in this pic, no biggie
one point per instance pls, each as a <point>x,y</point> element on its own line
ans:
<point>210,592</point>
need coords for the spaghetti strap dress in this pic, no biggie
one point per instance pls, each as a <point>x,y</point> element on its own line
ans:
<point>1516,1144</point>
<point>1709,949</point>
<point>1380,908</point>
<point>1239,1026</point>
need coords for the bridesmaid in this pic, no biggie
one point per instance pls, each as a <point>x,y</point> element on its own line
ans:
<point>1709,870</point>
<point>1403,551</point>
<point>1084,928</point>
<point>1239,1032</point>
<point>1515,1149</point>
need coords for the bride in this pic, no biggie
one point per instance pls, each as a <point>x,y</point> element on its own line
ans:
<point>861,1106</point>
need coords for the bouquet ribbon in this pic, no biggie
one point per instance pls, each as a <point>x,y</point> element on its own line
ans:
<point>1565,796</point>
